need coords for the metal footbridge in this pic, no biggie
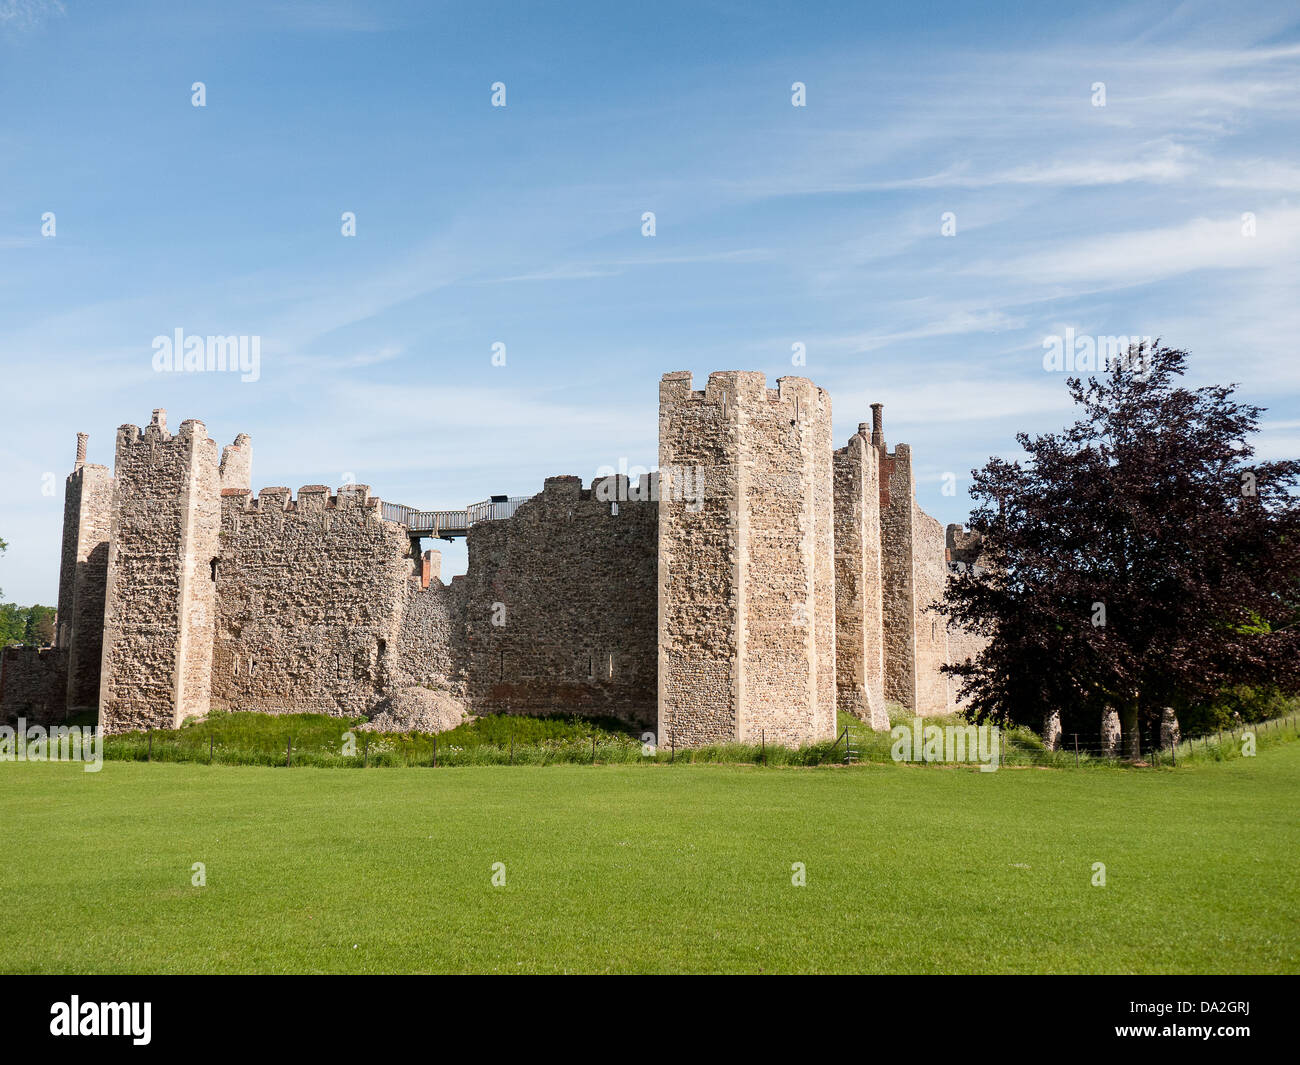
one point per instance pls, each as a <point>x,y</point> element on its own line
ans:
<point>448,524</point>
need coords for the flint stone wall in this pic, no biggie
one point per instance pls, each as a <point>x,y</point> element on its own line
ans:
<point>310,593</point>
<point>560,604</point>
<point>33,684</point>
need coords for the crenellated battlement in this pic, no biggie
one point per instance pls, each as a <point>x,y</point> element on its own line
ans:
<point>725,388</point>
<point>310,499</point>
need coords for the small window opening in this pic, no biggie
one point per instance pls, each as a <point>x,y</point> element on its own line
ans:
<point>213,564</point>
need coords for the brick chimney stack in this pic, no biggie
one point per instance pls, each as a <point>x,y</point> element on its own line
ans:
<point>81,449</point>
<point>878,424</point>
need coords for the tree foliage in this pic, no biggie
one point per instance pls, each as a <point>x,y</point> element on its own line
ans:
<point>1142,558</point>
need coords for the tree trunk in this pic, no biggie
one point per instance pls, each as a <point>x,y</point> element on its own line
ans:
<point>1130,732</point>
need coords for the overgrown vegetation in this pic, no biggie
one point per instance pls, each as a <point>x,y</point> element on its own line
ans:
<point>247,738</point>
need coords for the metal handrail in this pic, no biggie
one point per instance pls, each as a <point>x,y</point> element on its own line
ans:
<point>452,520</point>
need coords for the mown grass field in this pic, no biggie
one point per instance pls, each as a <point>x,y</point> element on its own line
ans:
<point>651,868</point>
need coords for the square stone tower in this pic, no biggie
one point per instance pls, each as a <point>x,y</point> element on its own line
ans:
<point>160,605</point>
<point>83,570</point>
<point>746,561</point>
<point>859,612</point>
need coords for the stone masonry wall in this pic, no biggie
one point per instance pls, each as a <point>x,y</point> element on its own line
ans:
<point>897,491</point>
<point>963,549</point>
<point>83,577</point>
<point>311,594</point>
<point>789,634</point>
<point>746,624</point>
<point>160,602</point>
<point>930,574</point>
<point>431,645</point>
<point>761,582</point>
<point>560,604</point>
<point>33,684</point>
<point>701,528</point>
<point>859,644</point>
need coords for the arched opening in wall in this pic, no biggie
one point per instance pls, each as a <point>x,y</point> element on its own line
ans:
<point>213,564</point>
<point>383,649</point>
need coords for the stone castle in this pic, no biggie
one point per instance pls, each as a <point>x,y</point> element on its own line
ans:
<point>761,580</point>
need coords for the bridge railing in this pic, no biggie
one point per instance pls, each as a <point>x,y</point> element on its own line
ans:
<point>452,520</point>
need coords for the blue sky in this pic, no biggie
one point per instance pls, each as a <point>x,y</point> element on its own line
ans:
<point>775,225</point>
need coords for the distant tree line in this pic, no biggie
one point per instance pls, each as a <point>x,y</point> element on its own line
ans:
<point>32,625</point>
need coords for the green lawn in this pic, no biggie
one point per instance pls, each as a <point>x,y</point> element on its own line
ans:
<point>651,868</point>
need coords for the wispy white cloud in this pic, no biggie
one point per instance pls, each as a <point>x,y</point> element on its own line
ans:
<point>1143,256</point>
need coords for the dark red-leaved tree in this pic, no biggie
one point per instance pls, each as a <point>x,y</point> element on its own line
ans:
<point>1138,560</point>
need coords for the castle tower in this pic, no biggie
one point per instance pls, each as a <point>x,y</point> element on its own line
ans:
<point>83,570</point>
<point>859,615</point>
<point>897,490</point>
<point>913,572</point>
<point>161,604</point>
<point>746,561</point>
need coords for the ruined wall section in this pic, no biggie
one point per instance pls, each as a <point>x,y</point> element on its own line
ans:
<point>431,647</point>
<point>746,561</point>
<point>859,643</point>
<point>560,604</point>
<point>83,576</point>
<point>33,684</point>
<point>160,599</point>
<point>311,599</point>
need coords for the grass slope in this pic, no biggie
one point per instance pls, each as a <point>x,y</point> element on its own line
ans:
<point>651,868</point>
